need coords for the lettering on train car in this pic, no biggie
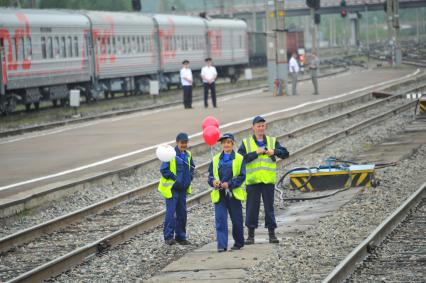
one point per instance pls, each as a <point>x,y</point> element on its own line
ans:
<point>103,40</point>
<point>215,39</point>
<point>21,42</point>
<point>167,36</point>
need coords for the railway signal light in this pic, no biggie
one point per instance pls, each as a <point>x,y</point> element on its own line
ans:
<point>314,4</point>
<point>343,10</point>
<point>136,5</point>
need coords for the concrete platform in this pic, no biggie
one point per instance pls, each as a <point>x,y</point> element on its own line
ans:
<point>207,265</point>
<point>36,160</point>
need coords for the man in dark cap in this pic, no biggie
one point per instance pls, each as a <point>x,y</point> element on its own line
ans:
<point>209,75</point>
<point>260,155</point>
<point>186,81</point>
<point>174,185</point>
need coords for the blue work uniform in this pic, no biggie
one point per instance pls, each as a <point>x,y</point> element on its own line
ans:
<point>228,204</point>
<point>266,191</point>
<point>176,213</point>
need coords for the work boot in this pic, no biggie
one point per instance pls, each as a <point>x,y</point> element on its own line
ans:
<point>250,238</point>
<point>272,238</point>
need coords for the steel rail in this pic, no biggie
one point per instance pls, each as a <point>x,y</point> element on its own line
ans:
<point>31,233</point>
<point>77,256</point>
<point>348,265</point>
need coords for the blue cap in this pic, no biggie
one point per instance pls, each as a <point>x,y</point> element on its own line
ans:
<point>258,119</point>
<point>227,136</point>
<point>182,137</point>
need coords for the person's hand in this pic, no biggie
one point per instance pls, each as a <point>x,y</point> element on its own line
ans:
<point>270,152</point>
<point>225,185</point>
<point>216,183</point>
<point>260,150</point>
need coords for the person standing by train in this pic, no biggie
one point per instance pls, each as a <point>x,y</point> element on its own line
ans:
<point>186,81</point>
<point>294,71</point>
<point>260,155</point>
<point>313,66</point>
<point>226,175</point>
<point>175,184</point>
<point>209,75</point>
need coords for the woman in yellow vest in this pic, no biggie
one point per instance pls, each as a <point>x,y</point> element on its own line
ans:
<point>226,175</point>
<point>175,184</point>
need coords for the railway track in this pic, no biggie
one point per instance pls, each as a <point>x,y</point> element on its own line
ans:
<point>114,113</point>
<point>394,251</point>
<point>109,114</point>
<point>104,225</point>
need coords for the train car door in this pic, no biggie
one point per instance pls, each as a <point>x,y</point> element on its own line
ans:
<point>3,74</point>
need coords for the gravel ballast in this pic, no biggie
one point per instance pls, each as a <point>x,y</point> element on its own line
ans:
<point>294,259</point>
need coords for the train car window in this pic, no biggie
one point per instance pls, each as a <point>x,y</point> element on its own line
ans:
<point>118,45</point>
<point>15,49</point>
<point>43,48</point>
<point>109,45</point>
<point>50,47</point>
<point>143,50</point>
<point>148,44</point>
<point>129,45</point>
<point>28,48</point>
<point>63,48</point>
<point>76,46</point>
<point>103,45</point>
<point>56,47</point>
<point>138,44</point>
<point>114,50</point>
<point>21,52</point>
<point>69,46</point>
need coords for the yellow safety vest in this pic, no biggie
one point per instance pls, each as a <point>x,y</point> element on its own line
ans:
<point>165,185</point>
<point>263,169</point>
<point>238,193</point>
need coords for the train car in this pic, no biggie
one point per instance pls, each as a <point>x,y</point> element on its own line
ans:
<point>125,52</point>
<point>228,46</point>
<point>257,45</point>
<point>180,38</point>
<point>42,54</point>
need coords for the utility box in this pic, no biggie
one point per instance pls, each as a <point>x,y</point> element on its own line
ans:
<point>154,87</point>
<point>335,177</point>
<point>248,74</point>
<point>75,98</point>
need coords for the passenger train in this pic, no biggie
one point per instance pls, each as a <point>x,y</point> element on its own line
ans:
<point>45,53</point>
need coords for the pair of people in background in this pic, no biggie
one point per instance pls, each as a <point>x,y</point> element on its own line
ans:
<point>208,75</point>
<point>253,166</point>
<point>294,70</point>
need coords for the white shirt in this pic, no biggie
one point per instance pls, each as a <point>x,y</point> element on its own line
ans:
<point>208,73</point>
<point>293,66</point>
<point>184,75</point>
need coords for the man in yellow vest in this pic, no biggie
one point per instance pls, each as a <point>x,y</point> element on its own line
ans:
<point>260,153</point>
<point>174,185</point>
<point>226,175</point>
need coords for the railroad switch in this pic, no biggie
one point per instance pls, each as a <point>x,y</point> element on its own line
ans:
<point>335,174</point>
<point>422,105</point>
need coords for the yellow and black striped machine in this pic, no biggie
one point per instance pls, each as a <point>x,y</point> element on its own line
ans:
<point>422,105</point>
<point>333,176</point>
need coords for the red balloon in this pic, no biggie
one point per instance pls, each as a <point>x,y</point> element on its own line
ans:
<point>210,121</point>
<point>211,135</point>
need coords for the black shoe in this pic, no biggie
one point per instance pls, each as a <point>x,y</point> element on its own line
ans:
<point>215,106</point>
<point>221,250</point>
<point>315,93</point>
<point>183,242</point>
<point>170,242</point>
<point>236,248</point>
<point>250,238</point>
<point>272,238</point>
